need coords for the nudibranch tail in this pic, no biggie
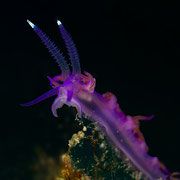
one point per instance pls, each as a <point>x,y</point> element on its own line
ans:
<point>48,94</point>
<point>52,49</point>
<point>74,57</point>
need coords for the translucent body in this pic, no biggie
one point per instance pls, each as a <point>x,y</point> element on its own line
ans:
<point>77,90</point>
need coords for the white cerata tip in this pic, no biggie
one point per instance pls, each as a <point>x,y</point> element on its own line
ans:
<point>31,24</point>
<point>59,22</point>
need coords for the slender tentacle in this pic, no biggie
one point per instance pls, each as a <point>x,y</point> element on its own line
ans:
<point>74,57</point>
<point>53,50</point>
<point>48,94</point>
<point>53,82</point>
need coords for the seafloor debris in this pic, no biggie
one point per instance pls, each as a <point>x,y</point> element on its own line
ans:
<point>68,171</point>
<point>90,157</point>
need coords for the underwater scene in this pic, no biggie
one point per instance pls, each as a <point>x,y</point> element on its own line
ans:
<point>90,90</point>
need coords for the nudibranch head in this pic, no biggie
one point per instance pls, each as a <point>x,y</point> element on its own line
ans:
<point>68,85</point>
<point>70,89</point>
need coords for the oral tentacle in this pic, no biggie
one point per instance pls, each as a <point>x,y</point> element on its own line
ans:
<point>58,78</point>
<point>48,94</point>
<point>53,82</point>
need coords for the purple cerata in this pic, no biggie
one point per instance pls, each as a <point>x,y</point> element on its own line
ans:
<point>77,90</point>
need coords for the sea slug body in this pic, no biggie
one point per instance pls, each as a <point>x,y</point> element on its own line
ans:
<point>77,90</point>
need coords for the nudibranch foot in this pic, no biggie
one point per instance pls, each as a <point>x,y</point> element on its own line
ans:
<point>57,104</point>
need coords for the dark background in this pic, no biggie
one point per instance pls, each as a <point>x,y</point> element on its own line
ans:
<point>131,48</point>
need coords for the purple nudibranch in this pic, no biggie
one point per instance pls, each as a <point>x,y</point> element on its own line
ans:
<point>77,90</point>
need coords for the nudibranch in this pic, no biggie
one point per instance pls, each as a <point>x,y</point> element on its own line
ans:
<point>77,90</point>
